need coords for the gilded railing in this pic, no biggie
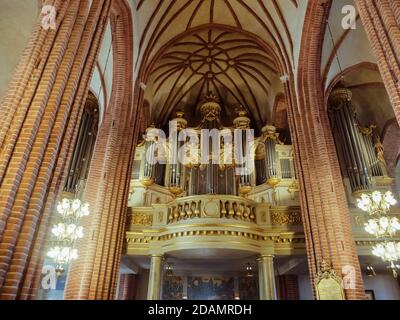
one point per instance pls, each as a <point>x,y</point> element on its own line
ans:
<point>220,207</point>
<point>256,224</point>
<point>185,208</point>
<point>209,220</point>
<point>210,206</point>
<point>241,209</point>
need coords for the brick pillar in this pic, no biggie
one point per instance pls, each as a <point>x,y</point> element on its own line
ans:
<point>127,287</point>
<point>43,103</point>
<point>99,19</point>
<point>94,275</point>
<point>324,206</point>
<point>381,20</point>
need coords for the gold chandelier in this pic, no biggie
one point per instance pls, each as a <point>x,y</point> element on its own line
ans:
<point>382,226</point>
<point>376,203</point>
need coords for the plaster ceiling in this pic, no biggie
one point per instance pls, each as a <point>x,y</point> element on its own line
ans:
<point>220,261</point>
<point>252,35</point>
<point>202,260</point>
<point>228,64</point>
<point>343,48</point>
<point>159,21</point>
<point>234,48</point>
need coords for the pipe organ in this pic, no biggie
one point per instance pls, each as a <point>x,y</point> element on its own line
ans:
<point>359,148</point>
<point>83,149</point>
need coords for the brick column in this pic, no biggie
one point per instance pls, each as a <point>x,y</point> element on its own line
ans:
<point>94,275</point>
<point>324,206</point>
<point>127,287</point>
<point>33,274</point>
<point>381,20</point>
<point>37,117</point>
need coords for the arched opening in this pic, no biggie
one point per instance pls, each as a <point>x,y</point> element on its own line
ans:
<point>74,186</point>
<point>360,91</point>
<point>236,66</point>
<point>200,149</point>
<point>213,76</point>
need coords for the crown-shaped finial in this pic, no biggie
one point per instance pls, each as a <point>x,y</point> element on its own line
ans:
<point>211,97</point>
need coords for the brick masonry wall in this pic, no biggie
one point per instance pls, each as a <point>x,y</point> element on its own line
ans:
<point>39,120</point>
<point>127,287</point>
<point>381,20</point>
<point>94,275</point>
<point>288,287</point>
<point>95,31</point>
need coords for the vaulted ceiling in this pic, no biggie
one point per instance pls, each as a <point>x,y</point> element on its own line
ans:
<point>228,64</point>
<point>235,48</point>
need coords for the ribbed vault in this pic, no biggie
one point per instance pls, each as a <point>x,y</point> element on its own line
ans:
<point>236,49</point>
<point>230,65</point>
<point>158,21</point>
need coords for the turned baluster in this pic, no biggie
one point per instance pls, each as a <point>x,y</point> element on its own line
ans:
<point>181,212</point>
<point>235,210</point>
<point>170,215</point>
<point>231,209</point>
<point>176,214</point>
<point>246,213</point>
<point>223,209</point>
<point>197,210</point>
<point>252,215</point>
<point>192,207</point>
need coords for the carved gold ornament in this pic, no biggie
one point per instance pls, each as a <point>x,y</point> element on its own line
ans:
<point>282,218</point>
<point>328,284</point>
<point>142,219</point>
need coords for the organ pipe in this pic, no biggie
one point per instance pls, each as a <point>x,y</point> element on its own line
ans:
<point>83,149</point>
<point>235,173</point>
<point>177,179</point>
<point>270,140</point>
<point>245,159</point>
<point>159,173</point>
<point>374,167</point>
<point>149,171</point>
